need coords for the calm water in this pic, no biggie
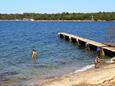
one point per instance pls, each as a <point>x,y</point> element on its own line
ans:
<point>56,57</point>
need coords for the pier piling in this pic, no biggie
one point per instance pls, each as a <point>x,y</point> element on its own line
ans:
<point>104,49</point>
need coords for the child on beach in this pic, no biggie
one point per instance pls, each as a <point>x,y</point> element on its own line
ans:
<point>97,61</point>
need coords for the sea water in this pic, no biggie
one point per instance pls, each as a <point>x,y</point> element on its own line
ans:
<point>55,56</point>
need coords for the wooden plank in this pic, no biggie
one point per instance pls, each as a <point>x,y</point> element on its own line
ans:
<point>100,45</point>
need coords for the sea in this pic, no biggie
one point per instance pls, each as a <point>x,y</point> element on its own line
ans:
<point>56,57</point>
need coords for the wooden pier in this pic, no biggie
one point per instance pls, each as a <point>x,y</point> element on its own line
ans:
<point>104,49</point>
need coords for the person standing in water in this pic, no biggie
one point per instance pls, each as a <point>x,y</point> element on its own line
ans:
<point>34,56</point>
<point>97,61</point>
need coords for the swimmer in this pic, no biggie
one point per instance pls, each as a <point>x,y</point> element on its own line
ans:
<point>34,56</point>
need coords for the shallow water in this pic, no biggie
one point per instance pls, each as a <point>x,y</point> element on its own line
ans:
<point>56,57</point>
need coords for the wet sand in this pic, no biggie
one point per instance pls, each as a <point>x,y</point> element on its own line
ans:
<point>103,76</point>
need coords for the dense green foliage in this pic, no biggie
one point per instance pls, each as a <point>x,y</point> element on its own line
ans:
<point>108,16</point>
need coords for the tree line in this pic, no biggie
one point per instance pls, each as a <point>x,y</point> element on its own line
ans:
<point>108,16</point>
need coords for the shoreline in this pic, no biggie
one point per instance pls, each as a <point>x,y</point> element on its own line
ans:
<point>47,79</point>
<point>101,76</point>
<point>59,20</point>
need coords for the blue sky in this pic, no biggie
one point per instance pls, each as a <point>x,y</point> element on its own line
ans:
<point>56,6</point>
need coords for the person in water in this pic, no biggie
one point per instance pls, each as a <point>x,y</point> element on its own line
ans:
<point>97,61</point>
<point>34,56</point>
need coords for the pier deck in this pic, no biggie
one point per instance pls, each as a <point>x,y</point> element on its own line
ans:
<point>105,49</point>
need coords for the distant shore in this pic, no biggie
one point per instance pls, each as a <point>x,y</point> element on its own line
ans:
<point>103,76</point>
<point>59,20</point>
<point>64,16</point>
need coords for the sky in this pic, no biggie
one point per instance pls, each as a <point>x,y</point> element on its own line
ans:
<point>56,6</point>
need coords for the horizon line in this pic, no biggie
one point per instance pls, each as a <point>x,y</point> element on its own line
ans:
<point>54,12</point>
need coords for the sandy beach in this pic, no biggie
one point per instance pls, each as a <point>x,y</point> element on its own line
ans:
<point>103,76</point>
